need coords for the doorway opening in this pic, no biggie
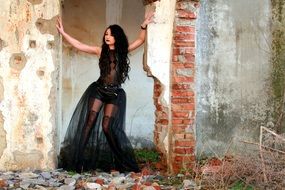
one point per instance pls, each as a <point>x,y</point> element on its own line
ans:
<point>86,21</point>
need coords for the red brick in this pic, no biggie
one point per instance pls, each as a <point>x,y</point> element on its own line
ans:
<point>182,122</point>
<point>182,93</point>
<point>185,29</point>
<point>182,100</point>
<point>158,107</point>
<point>163,121</point>
<point>177,79</point>
<point>188,143</point>
<point>181,86</point>
<point>99,181</point>
<point>177,121</point>
<point>176,167</point>
<point>178,158</point>
<point>176,51</point>
<point>175,58</point>
<point>184,150</point>
<point>184,44</point>
<point>184,37</point>
<point>179,114</point>
<point>187,121</point>
<point>186,14</point>
<point>179,151</point>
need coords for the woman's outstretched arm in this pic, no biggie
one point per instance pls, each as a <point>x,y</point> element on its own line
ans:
<point>75,43</point>
<point>141,38</point>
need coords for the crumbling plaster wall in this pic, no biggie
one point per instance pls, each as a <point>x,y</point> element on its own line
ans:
<point>159,56</point>
<point>28,85</point>
<point>233,74</point>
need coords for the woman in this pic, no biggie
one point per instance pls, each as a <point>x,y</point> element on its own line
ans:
<point>95,137</point>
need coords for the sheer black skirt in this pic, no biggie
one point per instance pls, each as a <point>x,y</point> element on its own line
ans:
<point>95,138</point>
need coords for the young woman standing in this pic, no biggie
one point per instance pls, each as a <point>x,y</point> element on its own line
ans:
<point>95,137</point>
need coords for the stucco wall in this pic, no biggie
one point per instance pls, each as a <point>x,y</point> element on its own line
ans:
<point>28,85</point>
<point>233,73</point>
<point>87,22</point>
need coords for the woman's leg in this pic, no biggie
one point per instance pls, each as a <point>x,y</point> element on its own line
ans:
<point>110,111</point>
<point>94,108</point>
<point>118,141</point>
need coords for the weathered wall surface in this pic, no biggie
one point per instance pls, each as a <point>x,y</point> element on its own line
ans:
<point>233,73</point>
<point>278,63</point>
<point>87,21</point>
<point>158,60</point>
<point>28,85</point>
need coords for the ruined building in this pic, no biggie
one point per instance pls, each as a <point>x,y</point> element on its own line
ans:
<point>210,74</point>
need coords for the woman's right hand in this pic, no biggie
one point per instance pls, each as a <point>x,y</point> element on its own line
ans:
<point>59,25</point>
<point>75,43</point>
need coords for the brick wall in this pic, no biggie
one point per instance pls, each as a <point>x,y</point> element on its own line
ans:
<point>177,127</point>
<point>182,86</point>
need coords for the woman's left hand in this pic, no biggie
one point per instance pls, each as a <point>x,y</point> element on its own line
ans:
<point>148,18</point>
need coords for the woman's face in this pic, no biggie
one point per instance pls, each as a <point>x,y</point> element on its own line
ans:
<point>109,39</point>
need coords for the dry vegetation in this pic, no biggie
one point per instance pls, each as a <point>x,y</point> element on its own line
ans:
<point>264,169</point>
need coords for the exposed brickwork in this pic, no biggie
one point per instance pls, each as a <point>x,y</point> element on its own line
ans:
<point>161,117</point>
<point>182,84</point>
<point>179,124</point>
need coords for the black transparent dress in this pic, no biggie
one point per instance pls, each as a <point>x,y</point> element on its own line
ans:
<point>95,138</point>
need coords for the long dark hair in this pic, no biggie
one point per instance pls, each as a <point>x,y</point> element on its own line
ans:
<point>121,54</point>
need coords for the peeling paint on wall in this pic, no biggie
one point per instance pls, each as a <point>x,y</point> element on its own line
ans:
<point>27,63</point>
